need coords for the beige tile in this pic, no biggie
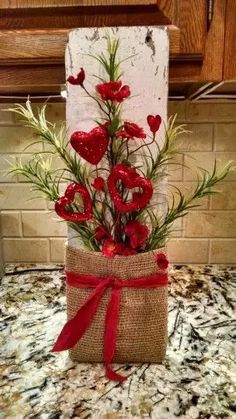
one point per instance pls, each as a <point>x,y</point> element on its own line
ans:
<point>226,198</point>
<point>200,138</point>
<point>225,137</point>
<point>205,160</point>
<point>187,189</point>
<point>177,228</point>
<point>26,250</point>
<point>211,224</point>
<point>175,168</point>
<point>56,112</point>
<point>19,196</point>
<point>42,224</point>
<point>194,161</point>
<point>5,165</point>
<point>177,107</point>
<point>11,224</point>
<point>6,117</point>
<point>57,250</point>
<point>15,139</point>
<point>187,251</point>
<point>223,251</point>
<point>210,112</point>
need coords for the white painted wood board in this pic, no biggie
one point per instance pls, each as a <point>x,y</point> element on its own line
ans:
<point>146,73</point>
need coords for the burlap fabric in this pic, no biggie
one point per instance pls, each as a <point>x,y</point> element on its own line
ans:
<point>142,328</point>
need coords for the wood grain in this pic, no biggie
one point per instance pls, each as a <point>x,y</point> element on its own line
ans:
<point>229,71</point>
<point>16,4</point>
<point>211,68</point>
<point>76,17</point>
<point>31,79</point>
<point>45,47</point>
<point>191,18</point>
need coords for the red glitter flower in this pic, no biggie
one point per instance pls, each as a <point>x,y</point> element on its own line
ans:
<point>110,248</point>
<point>131,131</point>
<point>113,91</point>
<point>137,233</point>
<point>127,251</point>
<point>154,122</point>
<point>78,80</point>
<point>99,184</point>
<point>162,260</point>
<point>101,233</point>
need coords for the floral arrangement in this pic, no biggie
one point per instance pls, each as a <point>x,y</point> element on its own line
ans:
<point>110,199</point>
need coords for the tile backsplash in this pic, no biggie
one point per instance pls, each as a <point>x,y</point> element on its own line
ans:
<point>31,233</point>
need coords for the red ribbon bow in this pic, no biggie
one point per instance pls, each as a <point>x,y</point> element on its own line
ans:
<point>77,326</point>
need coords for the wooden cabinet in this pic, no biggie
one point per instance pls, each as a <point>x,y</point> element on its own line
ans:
<point>33,35</point>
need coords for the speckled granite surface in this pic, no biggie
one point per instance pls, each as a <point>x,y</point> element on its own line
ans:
<point>196,381</point>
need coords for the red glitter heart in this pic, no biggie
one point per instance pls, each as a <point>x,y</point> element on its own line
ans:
<point>90,145</point>
<point>130,179</point>
<point>61,206</point>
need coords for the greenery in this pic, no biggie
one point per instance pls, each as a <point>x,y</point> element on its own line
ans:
<point>46,181</point>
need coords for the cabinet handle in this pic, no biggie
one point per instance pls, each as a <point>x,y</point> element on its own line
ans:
<point>210,11</point>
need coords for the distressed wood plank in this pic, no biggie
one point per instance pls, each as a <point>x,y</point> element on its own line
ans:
<point>146,73</point>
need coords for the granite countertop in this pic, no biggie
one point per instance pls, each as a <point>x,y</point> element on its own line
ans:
<point>196,380</point>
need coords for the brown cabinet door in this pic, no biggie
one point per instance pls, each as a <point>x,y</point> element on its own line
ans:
<point>230,41</point>
<point>202,31</point>
<point>190,16</point>
<point>33,34</point>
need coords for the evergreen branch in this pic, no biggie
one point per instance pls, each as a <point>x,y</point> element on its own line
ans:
<point>206,182</point>
<point>47,133</point>
<point>38,172</point>
<point>166,152</point>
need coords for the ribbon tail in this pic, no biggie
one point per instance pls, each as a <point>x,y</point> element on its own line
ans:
<point>112,375</point>
<point>76,327</point>
<point>110,334</point>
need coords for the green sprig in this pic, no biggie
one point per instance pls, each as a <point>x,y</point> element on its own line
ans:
<point>56,139</point>
<point>161,229</point>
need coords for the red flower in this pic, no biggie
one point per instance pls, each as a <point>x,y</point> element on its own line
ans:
<point>98,184</point>
<point>131,130</point>
<point>134,130</point>
<point>101,233</point>
<point>110,248</point>
<point>154,122</point>
<point>113,91</point>
<point>78,80</point>
<point>127,251</point>
<point>123,93</point>
<point>162,260</point>
<point>137,233</point>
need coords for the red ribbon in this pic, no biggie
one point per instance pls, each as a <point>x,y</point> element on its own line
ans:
<point>77,326</point>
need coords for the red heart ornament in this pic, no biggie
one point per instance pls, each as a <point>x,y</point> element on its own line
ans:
<point>68,198</point>
<point>90,145</point>
<point>131,179</point>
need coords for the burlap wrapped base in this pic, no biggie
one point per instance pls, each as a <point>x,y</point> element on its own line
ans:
<point>142,328</point>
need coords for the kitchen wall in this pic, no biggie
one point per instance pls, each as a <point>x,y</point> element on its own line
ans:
<point>31,233</point>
